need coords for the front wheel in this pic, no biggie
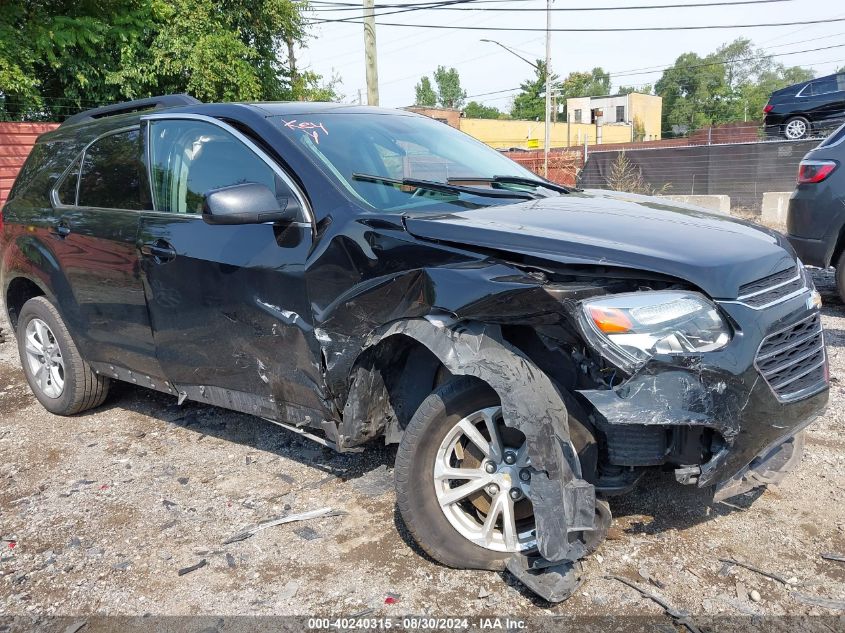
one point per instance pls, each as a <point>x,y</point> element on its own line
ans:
<point>463,479</point>
<point>55,370</point>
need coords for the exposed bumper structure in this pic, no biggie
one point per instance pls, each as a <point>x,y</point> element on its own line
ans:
<point>770,467</point>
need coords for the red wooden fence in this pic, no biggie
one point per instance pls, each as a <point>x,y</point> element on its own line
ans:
<point>16,141</point>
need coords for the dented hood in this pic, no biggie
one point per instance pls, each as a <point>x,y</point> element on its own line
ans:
<point>715,252</point>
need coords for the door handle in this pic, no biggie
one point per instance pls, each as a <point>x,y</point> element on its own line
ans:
<point>160,250</point>
<point>61,229</point>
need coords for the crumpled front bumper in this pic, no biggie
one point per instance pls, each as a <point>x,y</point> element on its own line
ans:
<point>768,468</point>
<point>725,392</point>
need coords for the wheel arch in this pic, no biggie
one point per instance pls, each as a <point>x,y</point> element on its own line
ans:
<point>563,501</point>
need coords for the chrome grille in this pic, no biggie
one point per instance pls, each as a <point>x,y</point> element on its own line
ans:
<point>793,360</point>
<point>772,289</point>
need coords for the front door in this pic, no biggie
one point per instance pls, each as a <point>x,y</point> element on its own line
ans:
<point>97,214</point>
<point>230,315</point>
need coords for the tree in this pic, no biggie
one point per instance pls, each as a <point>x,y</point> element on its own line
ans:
<point>449,91</point>
<point>61,56</point>
<point>528,104</point>
<point>425,93</point>
<point>645,89</point>
<point>731,84</point>
<point>475,110</point>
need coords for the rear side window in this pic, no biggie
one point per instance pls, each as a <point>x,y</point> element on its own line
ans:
<point>67,188</point>
<point>824,86</point>
<point>111,173</point>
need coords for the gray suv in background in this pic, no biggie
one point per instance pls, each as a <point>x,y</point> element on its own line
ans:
<point>816,218</point>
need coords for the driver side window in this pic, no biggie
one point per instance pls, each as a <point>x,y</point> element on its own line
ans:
<point>189,158</point>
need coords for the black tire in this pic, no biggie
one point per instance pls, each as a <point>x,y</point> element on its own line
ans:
<point>414,472</point>
<point>797,121</point>
<point>840,276</point>
<point>83,388</point>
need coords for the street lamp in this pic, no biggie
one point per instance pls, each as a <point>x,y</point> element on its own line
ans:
<point>548,95</point>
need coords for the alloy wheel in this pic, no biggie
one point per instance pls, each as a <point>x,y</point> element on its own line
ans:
<point>482,478</point>
<point>44,359</point>
<point>796,129</point>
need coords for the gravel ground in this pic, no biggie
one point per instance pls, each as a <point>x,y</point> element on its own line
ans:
<point>98,514</point>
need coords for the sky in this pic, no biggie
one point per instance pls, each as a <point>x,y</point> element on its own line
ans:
<point>405,54</point>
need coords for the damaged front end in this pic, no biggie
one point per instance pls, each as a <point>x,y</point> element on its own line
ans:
<point>728,417</point>
<point>569,520</point>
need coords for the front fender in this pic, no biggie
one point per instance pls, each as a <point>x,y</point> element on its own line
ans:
<point>563,502</point>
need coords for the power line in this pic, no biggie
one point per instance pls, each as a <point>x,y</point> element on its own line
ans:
<point>441,6</point>
<point>689,66</point>
<point>697,27</point>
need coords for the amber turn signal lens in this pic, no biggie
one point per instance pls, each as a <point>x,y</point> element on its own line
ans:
<point>610,320</point>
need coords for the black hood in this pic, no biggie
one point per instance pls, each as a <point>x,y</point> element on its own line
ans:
<point>715,252</point>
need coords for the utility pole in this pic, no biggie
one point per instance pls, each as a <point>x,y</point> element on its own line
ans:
<point>370,56</point>
<point>548,88</point>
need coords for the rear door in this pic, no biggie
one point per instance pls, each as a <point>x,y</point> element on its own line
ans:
<point>228,303</point>
<point>97,213</point>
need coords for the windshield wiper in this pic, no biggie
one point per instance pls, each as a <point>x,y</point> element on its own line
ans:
<point>445,187</point>
<point>516,180</point>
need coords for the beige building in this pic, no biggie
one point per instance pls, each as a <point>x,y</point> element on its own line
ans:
<point>592,120</point>
<point>639,114</point>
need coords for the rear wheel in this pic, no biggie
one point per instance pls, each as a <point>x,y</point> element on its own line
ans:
<point>463,478</point>
<point>840,276</point>
<point>796,128</point>
<point>55,370</point>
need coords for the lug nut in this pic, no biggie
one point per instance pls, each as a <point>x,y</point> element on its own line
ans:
<point>515,493</point>
<point>490,467</point>
<point>510,458</point>
<point>492,490</point>
<point>525,475</point>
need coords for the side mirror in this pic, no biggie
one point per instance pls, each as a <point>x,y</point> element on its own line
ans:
<point>247,203</point>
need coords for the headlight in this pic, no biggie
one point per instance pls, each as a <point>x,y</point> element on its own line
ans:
<point>631,328</point>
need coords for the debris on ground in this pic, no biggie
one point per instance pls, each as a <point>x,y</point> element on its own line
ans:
<point>281,520</point>
<point>680,617</point>
<point>307,533</point>
<point>188,570</point>
<point>289,590</point>
<point>755,596</point>
<point>756,570</point>
<point>834,556</point>
<point>483,593</point>
<point>76,626</point>
<point>836,605</point>
<point>374,483</point>
<point>230,560</point>
<point>392,598</point>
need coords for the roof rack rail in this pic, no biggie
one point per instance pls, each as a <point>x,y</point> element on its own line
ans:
<point>149,103</point>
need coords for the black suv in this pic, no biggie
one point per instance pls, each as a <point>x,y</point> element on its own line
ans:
<point>806,109</point>
<point>358,274</point>
<point>816,217</point>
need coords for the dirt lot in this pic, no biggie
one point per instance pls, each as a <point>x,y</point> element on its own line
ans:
<point>99,513</point>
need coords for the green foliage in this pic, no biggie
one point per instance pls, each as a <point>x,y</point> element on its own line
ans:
<point>448,94</point>
<point>449,91</point>
<point>60,56</point>
<point>698,92</point>
<point>528,104</point>
<point>645,89</point>
<point>425,95</point>
<point>475,110</point>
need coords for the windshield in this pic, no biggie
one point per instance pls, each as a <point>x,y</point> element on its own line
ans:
<point>396,148</point>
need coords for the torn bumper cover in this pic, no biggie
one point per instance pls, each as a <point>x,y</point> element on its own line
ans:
<point>564,504</point>
<point>725,392</point>
<point>769,468</point>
